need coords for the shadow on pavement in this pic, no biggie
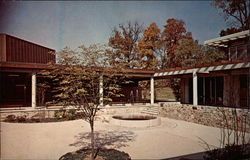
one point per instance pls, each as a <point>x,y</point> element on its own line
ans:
<point>114,139</point>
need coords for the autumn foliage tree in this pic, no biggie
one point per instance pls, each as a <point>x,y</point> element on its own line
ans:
<point>188,53</point>
<point>174,31</point>
<point>148,47</point>
<point>212,54</point>
<point>77,79</point>
<point>173,47</point>
<point>123,45</point>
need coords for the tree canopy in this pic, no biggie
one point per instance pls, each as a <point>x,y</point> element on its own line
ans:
<point>188,53</point>
<point>123,44</point>
<point>236,13</point>
<point>132,47</point>
<point>79,79</point>
<point>174,31</point>
<point>148,47</point>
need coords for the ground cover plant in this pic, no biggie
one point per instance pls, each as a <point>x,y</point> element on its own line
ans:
<point>59,116</point>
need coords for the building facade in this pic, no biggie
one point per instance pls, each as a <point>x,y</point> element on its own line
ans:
<point>20,60</point>
<point>224,83</point>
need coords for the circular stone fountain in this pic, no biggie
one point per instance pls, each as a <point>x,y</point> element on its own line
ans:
<point>135,120</point>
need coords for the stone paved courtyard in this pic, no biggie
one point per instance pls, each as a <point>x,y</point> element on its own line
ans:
<point>51,140</point>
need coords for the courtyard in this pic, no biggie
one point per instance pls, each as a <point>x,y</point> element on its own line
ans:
<point>163,80</point>
<point>172,138</point>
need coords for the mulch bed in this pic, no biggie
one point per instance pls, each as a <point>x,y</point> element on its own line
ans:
<point>102,154</point>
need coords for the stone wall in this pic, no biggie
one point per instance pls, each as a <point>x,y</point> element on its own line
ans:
<point>207,115</point>
<point>116,110</point>
<point>29,114</point>
<point>49,113</point>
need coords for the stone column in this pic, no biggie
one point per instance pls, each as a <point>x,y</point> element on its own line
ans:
<point>33,90</point>
<point>152,90</point>
<point>195,88</point>
<point>101,90</point>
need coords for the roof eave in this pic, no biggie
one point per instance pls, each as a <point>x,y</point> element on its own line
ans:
<point>220,41</point>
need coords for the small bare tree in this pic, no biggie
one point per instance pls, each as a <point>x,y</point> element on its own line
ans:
<point>80,79</point>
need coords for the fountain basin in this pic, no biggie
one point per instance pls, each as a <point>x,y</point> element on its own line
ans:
<point>135,120</point>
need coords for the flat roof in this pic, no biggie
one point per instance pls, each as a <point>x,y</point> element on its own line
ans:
<point>33,67</point>
<point>141,73</point>
<point>221,41</point>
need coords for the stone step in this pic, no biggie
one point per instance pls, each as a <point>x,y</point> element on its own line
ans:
<point>156,108</point>
<point>149,113</point>
<point>151,110</point>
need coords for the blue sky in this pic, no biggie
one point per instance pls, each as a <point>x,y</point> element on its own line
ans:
<point>57,24</point>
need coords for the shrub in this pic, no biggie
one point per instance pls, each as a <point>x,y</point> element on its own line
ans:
<point>59,114</point>
<point>21,118</point>
<point>34,119</point>
<point>70,114</point>
<point>230,152</point>
<point>10,118</point>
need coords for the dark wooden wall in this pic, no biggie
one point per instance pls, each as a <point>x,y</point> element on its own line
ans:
<point>15,89</point>
<point>18,50</point>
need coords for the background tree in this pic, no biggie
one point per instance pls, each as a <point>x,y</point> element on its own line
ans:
<point>174,31</point>
<point>162,54</point>
<point>77,78</point>
<point>123,45</point>
<point>188,53</point>
<point>148,47</point>
<point>236,9</point>
<point>212,54</point>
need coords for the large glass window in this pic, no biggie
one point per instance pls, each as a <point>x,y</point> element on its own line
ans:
<point>210,90</point>
<point>244,90</point>
<point>238,52</point>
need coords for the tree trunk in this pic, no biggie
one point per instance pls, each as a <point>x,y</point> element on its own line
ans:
<point>92,140</point>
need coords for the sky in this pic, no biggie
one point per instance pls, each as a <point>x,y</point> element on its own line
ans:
<point>56,24</point>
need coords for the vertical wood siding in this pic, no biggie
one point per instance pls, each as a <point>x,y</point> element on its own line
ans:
<point>18,50</point>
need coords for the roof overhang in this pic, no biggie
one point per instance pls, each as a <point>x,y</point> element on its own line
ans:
<point>34,67</point>
<point>222,41</point>
<point>206,69</point>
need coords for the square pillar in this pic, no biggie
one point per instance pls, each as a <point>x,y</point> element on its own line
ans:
<point>152,96</point>
<point>33,90</point>
<point>186,93</point>
<point>226,90</point>
<point>101,90</point>
<point>195,88</point>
